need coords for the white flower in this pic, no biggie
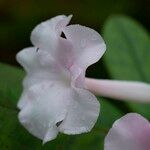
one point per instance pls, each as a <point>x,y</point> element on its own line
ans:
<point>54,97</point>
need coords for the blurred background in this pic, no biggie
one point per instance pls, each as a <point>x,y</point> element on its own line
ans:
<point>19,17</point>
<point>124,61</point>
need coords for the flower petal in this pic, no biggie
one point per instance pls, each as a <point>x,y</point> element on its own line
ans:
<point>88,44</point>
<point>28,58</point>
<point>131,132</point>
<point>82,114</point>
<point>44,109</point>
<point>64,53</point>
<point>39,66</point>
<point>122,90</point>
<point>45,35</point>
<point>77,77</point>
<point>34,59</point>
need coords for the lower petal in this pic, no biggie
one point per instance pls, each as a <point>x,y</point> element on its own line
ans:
<point>82,114</point>
<point>46,105</point>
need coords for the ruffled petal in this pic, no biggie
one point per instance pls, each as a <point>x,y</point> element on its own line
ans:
<point>34,59</point>
<point>88,45</point>
<point>82,113</point>
<point>45,35</point>
<point>131,132</point>
<point>40,66</point>
<point>23,99</point>
<point>46,105</point>
<point>28,58</point>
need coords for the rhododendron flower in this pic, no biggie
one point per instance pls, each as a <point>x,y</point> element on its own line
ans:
<point>131,132</point>
<point>55,95</point>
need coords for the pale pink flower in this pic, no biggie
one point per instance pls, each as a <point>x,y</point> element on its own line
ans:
<point>55,94</point>
<point>131,132</point>
<point>54,97</point>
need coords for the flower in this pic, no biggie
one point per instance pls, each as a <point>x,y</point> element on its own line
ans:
<point>54,97</point>
<point>131,132</point>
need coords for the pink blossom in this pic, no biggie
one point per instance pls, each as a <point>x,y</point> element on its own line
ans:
<point>131,132</point>
<point>54,97</point>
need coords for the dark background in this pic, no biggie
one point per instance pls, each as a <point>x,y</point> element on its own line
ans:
<point>18,17</point>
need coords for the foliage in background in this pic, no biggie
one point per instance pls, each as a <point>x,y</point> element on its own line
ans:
<point>128,54</point>
<point>126,58</point>
<point>18,17</point>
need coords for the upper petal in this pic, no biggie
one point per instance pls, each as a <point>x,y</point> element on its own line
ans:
<point>82,113</point>
<point>40,65</point>
<point>131,132</point>
<point>35,59</point>
<point>88,45</point>
<point>28,58</point>
<point>64,53</point>
<point>44,109</point>
<point>45,35</point>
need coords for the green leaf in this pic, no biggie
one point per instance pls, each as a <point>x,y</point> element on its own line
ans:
<point>10,85</point>
<point>14,136</point>
<point>128,53</point>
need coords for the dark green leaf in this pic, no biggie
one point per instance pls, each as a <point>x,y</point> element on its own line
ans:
<point>128,53</point>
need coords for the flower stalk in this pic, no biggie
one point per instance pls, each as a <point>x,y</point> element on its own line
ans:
<point>121,90</point>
